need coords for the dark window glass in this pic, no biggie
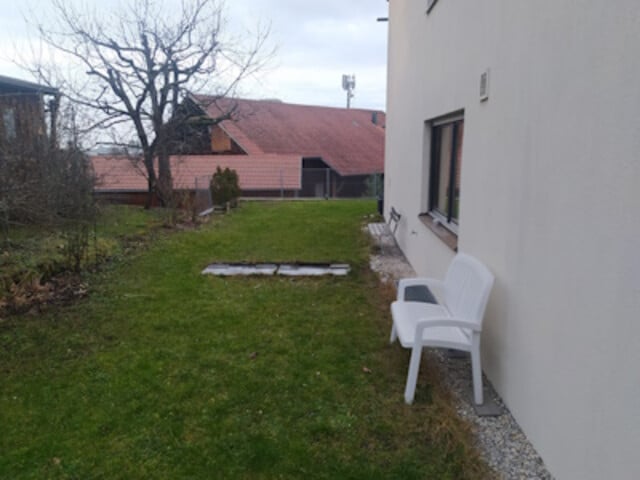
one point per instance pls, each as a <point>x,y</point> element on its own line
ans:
<point>446,165</point>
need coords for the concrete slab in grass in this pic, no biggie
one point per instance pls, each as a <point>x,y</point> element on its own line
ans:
<point>304,270</point>
<point>292,270</point>
<point>230,269</point>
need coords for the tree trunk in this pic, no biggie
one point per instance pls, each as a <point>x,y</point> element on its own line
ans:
<point>151,180</point>
<point>165,181</point>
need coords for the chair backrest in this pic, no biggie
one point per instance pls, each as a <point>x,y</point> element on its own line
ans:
<point>467,286</point>
<point>394,220</point>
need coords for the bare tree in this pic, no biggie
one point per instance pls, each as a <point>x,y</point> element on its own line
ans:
<point>141,61</point>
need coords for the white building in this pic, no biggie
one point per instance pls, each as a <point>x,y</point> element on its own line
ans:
<point>545,166</point>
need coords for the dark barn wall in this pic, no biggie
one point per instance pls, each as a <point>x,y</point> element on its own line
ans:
<point>353,186</point>
<point>22,123</point>
<point>315,178</point>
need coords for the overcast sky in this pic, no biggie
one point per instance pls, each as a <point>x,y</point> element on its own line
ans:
<point>316,43</point>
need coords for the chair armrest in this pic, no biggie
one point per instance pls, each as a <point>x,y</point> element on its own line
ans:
<point>430,283</point>
<point>424,323</point>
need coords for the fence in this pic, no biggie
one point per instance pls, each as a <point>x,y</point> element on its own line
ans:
<point>202,194</point>
<point>265,182</point>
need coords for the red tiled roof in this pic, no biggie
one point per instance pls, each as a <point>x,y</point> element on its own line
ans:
<point>346,139</point>
<point>255,172</point>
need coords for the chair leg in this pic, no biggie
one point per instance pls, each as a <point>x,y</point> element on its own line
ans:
<point>476,368</point>
<point>412,377</point>
<point>394,333</point>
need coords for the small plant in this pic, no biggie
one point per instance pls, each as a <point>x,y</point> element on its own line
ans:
<point>225,187</point>
<point>4,222</point>
<point>76,245</point>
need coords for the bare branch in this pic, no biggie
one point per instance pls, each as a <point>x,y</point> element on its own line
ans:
<point>140,63</point>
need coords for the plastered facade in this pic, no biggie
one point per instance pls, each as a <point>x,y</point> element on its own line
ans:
<point>550,201</point>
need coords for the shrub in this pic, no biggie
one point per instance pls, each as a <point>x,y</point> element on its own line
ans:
<point>225,187</point>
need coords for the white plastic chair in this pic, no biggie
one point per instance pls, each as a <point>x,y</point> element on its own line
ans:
<point>455,322</point>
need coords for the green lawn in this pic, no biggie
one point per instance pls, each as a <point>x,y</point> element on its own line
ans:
<point>165,373</point>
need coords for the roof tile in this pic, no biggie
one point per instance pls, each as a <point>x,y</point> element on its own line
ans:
<point>255,172</point>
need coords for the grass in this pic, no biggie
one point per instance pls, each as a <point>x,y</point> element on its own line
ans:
<point>165,373</point>
<point>39,251</point>
<point>32,255</point>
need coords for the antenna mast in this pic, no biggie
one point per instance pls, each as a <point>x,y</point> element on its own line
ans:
<point>349,84</point>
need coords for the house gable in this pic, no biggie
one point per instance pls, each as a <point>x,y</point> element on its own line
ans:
<point>222,143</point>
<point>350,141</point>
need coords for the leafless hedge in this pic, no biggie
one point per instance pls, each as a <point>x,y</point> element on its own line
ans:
<point>49,187</point>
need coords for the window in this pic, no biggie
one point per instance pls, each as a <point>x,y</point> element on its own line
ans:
<point>9,123</point>
<point>445,169</point>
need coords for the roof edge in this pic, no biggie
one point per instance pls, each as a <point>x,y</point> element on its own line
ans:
<point>24,84</point>
<point>282,102</point>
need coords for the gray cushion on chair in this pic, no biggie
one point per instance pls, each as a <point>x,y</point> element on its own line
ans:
<point>419,293</point>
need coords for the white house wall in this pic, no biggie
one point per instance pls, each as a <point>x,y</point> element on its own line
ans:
<point>550,201</point>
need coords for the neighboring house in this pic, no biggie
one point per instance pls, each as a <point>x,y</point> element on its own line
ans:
<point>341,149</point>
<point>122,180</point>
<point>27,115</point>
<point>513,134</point>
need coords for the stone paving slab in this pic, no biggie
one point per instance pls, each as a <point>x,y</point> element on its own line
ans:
<point>313,270</point>
<point>228,270</point>
<point>294,269</point>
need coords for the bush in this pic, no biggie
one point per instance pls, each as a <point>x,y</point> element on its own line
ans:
<point>225,187</point>
<point>52,188</point>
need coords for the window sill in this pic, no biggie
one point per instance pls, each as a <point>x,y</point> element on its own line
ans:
<point>449,238</point>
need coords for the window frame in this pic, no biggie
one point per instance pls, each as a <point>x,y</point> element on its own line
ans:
<point>446,220</point>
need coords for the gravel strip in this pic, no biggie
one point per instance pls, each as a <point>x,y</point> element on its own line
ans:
<point>500,440</point>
